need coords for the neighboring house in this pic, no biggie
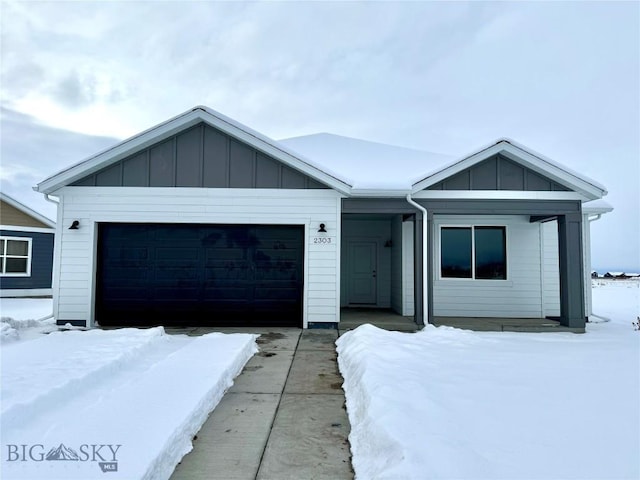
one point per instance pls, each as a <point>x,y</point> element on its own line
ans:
<point>595,274</point>
<point>201,220</point>
<point>621,275</point>
<point>26,250</point>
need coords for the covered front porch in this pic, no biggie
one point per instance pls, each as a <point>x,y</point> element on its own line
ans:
<point>352,318</point>
<point>392,270</point>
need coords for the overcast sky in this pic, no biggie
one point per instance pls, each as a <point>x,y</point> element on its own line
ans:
<point>449,77</point>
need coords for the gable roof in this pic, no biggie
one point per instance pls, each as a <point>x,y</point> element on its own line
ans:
<point>520,154</point>
<point>26,210</point>
<point>351,166</point>
<point>179,123</point>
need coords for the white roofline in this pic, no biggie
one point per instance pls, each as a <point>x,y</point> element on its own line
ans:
<point>596,207</point>
<point>590,189</point>
<point>172,126</point>
<point>26,210</point>
<point>533,160</point>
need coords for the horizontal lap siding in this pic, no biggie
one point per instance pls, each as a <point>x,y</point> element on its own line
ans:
<point>41,262</point>
<point>91,205</point>
<point>519,296</point>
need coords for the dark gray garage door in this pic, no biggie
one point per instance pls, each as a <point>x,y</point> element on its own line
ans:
<point>224,275</point>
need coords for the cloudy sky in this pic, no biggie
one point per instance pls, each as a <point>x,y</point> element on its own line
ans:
<point>449,77</point>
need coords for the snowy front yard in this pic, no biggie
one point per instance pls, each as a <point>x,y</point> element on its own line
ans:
<point>448,403</point>
<point>122,402</point>
<point>440,403</point>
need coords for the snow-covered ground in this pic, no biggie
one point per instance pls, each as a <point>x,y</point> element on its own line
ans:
<point>79,404</point>
<point>441,403</point>
<point>449,403</point>
<point>24,318</point>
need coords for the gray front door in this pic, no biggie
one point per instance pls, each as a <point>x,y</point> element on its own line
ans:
<point>362,273</point>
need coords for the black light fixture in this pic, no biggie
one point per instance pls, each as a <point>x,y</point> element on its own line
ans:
<point>75,225</point>
<point>322,229</point>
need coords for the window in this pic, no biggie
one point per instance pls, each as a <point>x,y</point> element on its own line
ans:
<point>473,252</point>
<point>15,256</point>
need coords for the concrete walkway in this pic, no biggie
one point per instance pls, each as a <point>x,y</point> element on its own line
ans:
<point>284,418</point>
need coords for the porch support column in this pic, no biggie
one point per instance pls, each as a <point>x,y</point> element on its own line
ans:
<point>418,289</point>
<point>430,275</point>
<point>572,311</point>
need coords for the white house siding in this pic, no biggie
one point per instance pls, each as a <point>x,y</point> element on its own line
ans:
<point>74,287</point>
<point>551,269</point>
<point>517,297</point>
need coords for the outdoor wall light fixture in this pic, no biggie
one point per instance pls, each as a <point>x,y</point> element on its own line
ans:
<point>75,225</point>
<point>322,229</point>
<point>388,244</point>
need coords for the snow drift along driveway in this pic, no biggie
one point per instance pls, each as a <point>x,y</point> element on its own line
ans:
<point>96,401</point>
<point>449,403</point>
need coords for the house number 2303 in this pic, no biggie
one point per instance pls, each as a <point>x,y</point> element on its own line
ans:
<point>321,240</point>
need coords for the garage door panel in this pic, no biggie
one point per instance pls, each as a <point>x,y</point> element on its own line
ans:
<point>171,274</point>
<point>131,253</point>
<point>200,274</point>
<point>230,294</point>
<point>275,294</point>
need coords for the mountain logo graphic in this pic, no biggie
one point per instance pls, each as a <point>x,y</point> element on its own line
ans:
<point>62,453</point>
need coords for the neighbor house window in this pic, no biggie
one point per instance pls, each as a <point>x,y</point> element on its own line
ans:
<point>473,252</point>
<point>15,256</point>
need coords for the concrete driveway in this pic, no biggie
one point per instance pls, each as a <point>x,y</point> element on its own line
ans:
<point>284,418</point>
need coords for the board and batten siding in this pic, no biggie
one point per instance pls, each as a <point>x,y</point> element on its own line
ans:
<point>519,296</point>
<point>75,285</point>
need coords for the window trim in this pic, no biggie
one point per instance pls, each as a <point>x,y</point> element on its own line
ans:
<point>29,256</point>
<point>473,253</point>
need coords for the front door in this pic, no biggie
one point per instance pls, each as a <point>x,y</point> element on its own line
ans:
<point>363,273</point>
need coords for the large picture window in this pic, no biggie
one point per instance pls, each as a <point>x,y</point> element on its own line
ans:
<point>476,252</point>
<point>15,256</point>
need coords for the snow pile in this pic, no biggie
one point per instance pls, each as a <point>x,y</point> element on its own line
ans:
<point>449,403</point>
<point>126,401</point>
<point>7,332</point>
<point>26,308</point>
<point>24,317</point>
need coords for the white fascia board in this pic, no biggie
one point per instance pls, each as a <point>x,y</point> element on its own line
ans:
<point>542,165</point>
<point>596,207</point>
<point>112,154</point>
<point>497,195</point>
<point>379,192</point>
<point>26,210</point>
<point>18,228</point>
<point>181,122</point>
